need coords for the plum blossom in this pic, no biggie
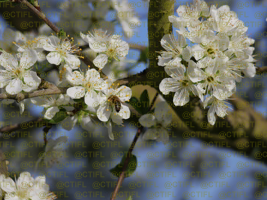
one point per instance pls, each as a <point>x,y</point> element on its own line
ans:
<point>61,51</point>
<point>17,75</point>
<point>106,46</point>
<point>157,123</point>
<point>26,187</point>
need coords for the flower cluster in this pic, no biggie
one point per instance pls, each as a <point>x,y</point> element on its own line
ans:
<point>26,187</point>
<point>88,94</point>
<point>219,55</point>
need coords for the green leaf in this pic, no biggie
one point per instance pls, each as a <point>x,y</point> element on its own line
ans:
<point>62,34</point>
<point>144,99</point>
<point>60,116</point>
<point>136,104</point>
<point>132,164</point>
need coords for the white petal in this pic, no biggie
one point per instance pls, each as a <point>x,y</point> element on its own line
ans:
<point>103,112</point>
<point>186,54</point>
<point>168,85</point>
<point>66,45</point>
<point>73,61</point>
<point>55,41</point>
<point>181,97</point>
<point>8,185</point>
<point>151,134</point>
<point>75,78</point>
<point>124,93</point>
<point>8,61</point>
<point>28,59</point>
<point>163,113</point>
<point>14,87</point>
<point>84,37</point>
<point>91,98</point>
<point>76,92</point>
<point>163,135</point>
<point>211,115</point>
<point>100,61</point>
<point>147,120</point>
<point>92,75</point>
<point>250,71</point>
<point>116,118</point>
<point>194,73</point>
<point>69,122</point>
<point>87,124</point>
<point>54,58</point>
<point>32,80</point>
<point>124,112</point>
<point>110,134</point>
<point>50,112</point>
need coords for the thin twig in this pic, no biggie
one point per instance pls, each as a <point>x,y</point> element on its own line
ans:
<point>40,15</point>
<point>9,129</point>
<point>129,153</point>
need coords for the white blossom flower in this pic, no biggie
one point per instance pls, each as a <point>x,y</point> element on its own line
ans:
<point>18,76</point>
<point>157,123</point>
<point>53,103</point>
<point>86,86</point>
<point>216,106</point>
<point>212,79</point>
<point>54,150</point>
<point>189,16</point>
<point>61,51</point>
<point>26,42</point>
<point>176,50</point>
<point>126,16</point>
<point>107,46</point>
<point>225,21</point>
<point>109,100</point>
<point>83,117</point>
<point>111,105</point>
<point>21,104</point>
<point>181,85</point>
<point>26,187</point>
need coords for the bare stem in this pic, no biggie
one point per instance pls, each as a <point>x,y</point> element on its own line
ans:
<point>130,150</point>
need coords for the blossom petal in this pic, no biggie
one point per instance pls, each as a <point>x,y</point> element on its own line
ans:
<point>100,61</point>
<point>181,97</point>
<point>76,92</point>
<point>69,122</point>
<point>163,135</point>
<point>14,86</point>
<point>147,120</point>
<point>73,61</point>
<point>91,98</point>
<point>54,58</point>
<point>163,113</point>
<point>28,59</point>
<point>103,112</point>
<point>124,93</point>
<point>50,112</point>
<point>8,185</point>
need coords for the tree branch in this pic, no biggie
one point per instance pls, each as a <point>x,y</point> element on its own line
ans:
<point>50,90</point>
<point>129,153</point>
<point>9,129</point>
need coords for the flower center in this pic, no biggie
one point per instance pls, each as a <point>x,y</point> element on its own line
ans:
<point>185,83</point>
<point>210,51</point>
<point>111,52</point>
<point>210,79</point>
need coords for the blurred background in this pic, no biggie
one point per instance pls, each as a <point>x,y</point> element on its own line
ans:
<point>183,169</point>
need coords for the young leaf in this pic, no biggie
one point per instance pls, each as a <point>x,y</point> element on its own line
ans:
<point>136,104</point>
<point>144,98</point>
<point>131,167</point>
<point>60,116</point>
